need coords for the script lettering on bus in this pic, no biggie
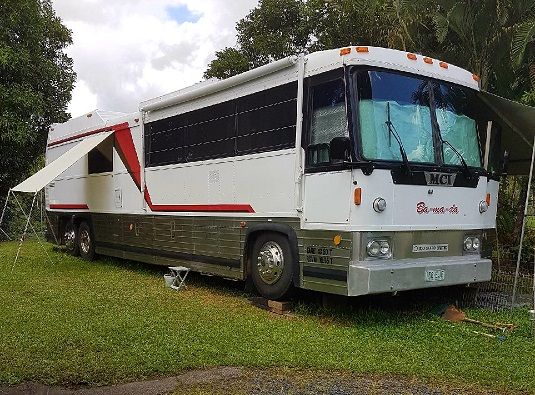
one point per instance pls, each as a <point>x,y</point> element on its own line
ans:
<point>422,208</point>
<point>318,254</point>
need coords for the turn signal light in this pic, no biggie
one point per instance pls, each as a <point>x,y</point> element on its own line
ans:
<point>487,199</point>
<point>412,56</point>
<point>357,196</point>
<point>362,49</point>
<point>345,51</point>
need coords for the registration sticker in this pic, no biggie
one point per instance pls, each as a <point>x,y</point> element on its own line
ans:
<point>429,247</point>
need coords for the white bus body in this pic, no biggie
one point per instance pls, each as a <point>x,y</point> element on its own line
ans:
<point>291,174</point>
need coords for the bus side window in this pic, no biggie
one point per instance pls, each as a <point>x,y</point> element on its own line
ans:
<point>328,120</point>
<point>100,158</point>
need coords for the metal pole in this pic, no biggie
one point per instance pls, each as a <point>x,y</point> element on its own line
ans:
<point>517,271</point>
<point>31,226</point>
<point>3,213</point>
<point>25,230</point>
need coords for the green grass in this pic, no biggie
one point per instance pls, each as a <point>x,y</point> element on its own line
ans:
<point>75,322</point>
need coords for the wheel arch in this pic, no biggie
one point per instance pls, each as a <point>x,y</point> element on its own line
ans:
<point>255,230</point>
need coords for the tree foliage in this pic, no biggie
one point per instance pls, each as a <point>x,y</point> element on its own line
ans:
<point>493,38</point>
<point>36,80</point>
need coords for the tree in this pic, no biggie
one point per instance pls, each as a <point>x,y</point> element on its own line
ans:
<point>273,30</point>
<point>36,80</point>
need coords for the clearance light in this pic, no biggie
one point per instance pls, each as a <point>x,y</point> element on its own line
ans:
<point>487,199</point>
<point>357,196</point>
<point>476,77</point>
<point>444,65</point>
<point>362,49</point>
<point>337,240</point>
<point>345,51</point>
<point>428,60</point>
<point>412,56</point>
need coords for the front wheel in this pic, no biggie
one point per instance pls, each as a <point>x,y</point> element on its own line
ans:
<point>271,265</point>
<point>86,243</point>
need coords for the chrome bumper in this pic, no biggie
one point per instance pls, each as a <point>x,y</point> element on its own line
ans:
<point>373,277</point>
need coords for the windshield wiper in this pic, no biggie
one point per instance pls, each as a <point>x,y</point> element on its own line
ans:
<point>463,162</point>
<point>392,130</point>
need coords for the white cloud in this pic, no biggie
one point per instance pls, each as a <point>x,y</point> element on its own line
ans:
<point>128,51</point>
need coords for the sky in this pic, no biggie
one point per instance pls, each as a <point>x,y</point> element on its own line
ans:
<point>127,51</point>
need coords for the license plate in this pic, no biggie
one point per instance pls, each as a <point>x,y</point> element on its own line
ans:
<point>435,275</point>
<point>429,247</point>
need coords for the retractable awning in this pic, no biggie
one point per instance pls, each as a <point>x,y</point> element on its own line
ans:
<point>518,121</point>
<point>48,173</point>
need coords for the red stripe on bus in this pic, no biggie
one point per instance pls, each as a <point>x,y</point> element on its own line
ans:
<point>127,151</point>
<point>79,136</point>
<point>69,207</point>
<point>197,208</point>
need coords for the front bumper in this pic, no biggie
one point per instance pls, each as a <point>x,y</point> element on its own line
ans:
<point>373,277</point>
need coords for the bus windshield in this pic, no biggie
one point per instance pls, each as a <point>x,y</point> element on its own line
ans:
<point>391,102</point>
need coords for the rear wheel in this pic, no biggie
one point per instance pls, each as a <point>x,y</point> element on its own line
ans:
<point>70,238</point>
<point>86,242</point>
<point>271,265</point>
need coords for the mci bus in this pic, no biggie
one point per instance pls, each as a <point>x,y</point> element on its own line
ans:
<point>351,171</point>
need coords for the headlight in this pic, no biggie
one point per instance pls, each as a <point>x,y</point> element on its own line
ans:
<point>471,244</point>
<point>379,249</point>
<point>373,248</point>
<point>468,244</point>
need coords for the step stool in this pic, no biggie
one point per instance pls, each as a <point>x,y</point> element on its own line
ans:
<point>179,274</point>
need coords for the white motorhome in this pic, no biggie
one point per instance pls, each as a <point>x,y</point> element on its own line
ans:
<point>351,171</point>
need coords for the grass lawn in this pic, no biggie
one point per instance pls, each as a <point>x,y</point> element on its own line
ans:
<point>75,322</point>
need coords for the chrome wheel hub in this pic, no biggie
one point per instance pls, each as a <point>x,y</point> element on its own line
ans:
<point>70,238</point>
<point>85,241</point>
<point>270,262</point>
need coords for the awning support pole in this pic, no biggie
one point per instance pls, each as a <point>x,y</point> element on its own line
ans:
<point>518,258</point>
<point>28,223</point>
<point>25,229</point>
<point>3,213</point>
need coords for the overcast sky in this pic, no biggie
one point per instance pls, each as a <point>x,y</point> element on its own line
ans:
<point>126,51</point>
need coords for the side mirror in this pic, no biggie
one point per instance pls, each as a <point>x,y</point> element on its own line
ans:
<point>340,148</point>
<point>505,163</point>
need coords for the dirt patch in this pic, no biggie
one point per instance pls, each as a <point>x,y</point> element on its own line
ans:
<point>273,381</point>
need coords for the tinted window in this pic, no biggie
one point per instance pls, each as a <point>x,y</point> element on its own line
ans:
<point>100,158</point>
<point>263,121</point>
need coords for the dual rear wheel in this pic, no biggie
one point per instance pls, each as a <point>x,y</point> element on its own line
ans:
<point>79,240</point>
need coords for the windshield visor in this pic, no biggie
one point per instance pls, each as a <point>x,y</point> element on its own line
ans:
<point>391,103</point>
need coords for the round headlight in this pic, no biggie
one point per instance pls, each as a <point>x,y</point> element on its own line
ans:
<point>379,204</point>
<point>483,206</point>
<point>373,248</point>
<point>468,244</point>
<point>476,243</point>
<point>385,248</point>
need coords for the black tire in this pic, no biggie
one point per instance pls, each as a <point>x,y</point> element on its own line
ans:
<point>273,282</point>
<point>70,239</point>
<point>86,242</point>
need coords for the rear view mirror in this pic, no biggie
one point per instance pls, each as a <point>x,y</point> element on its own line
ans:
<point>340,149</point>
<point>505,163</point>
